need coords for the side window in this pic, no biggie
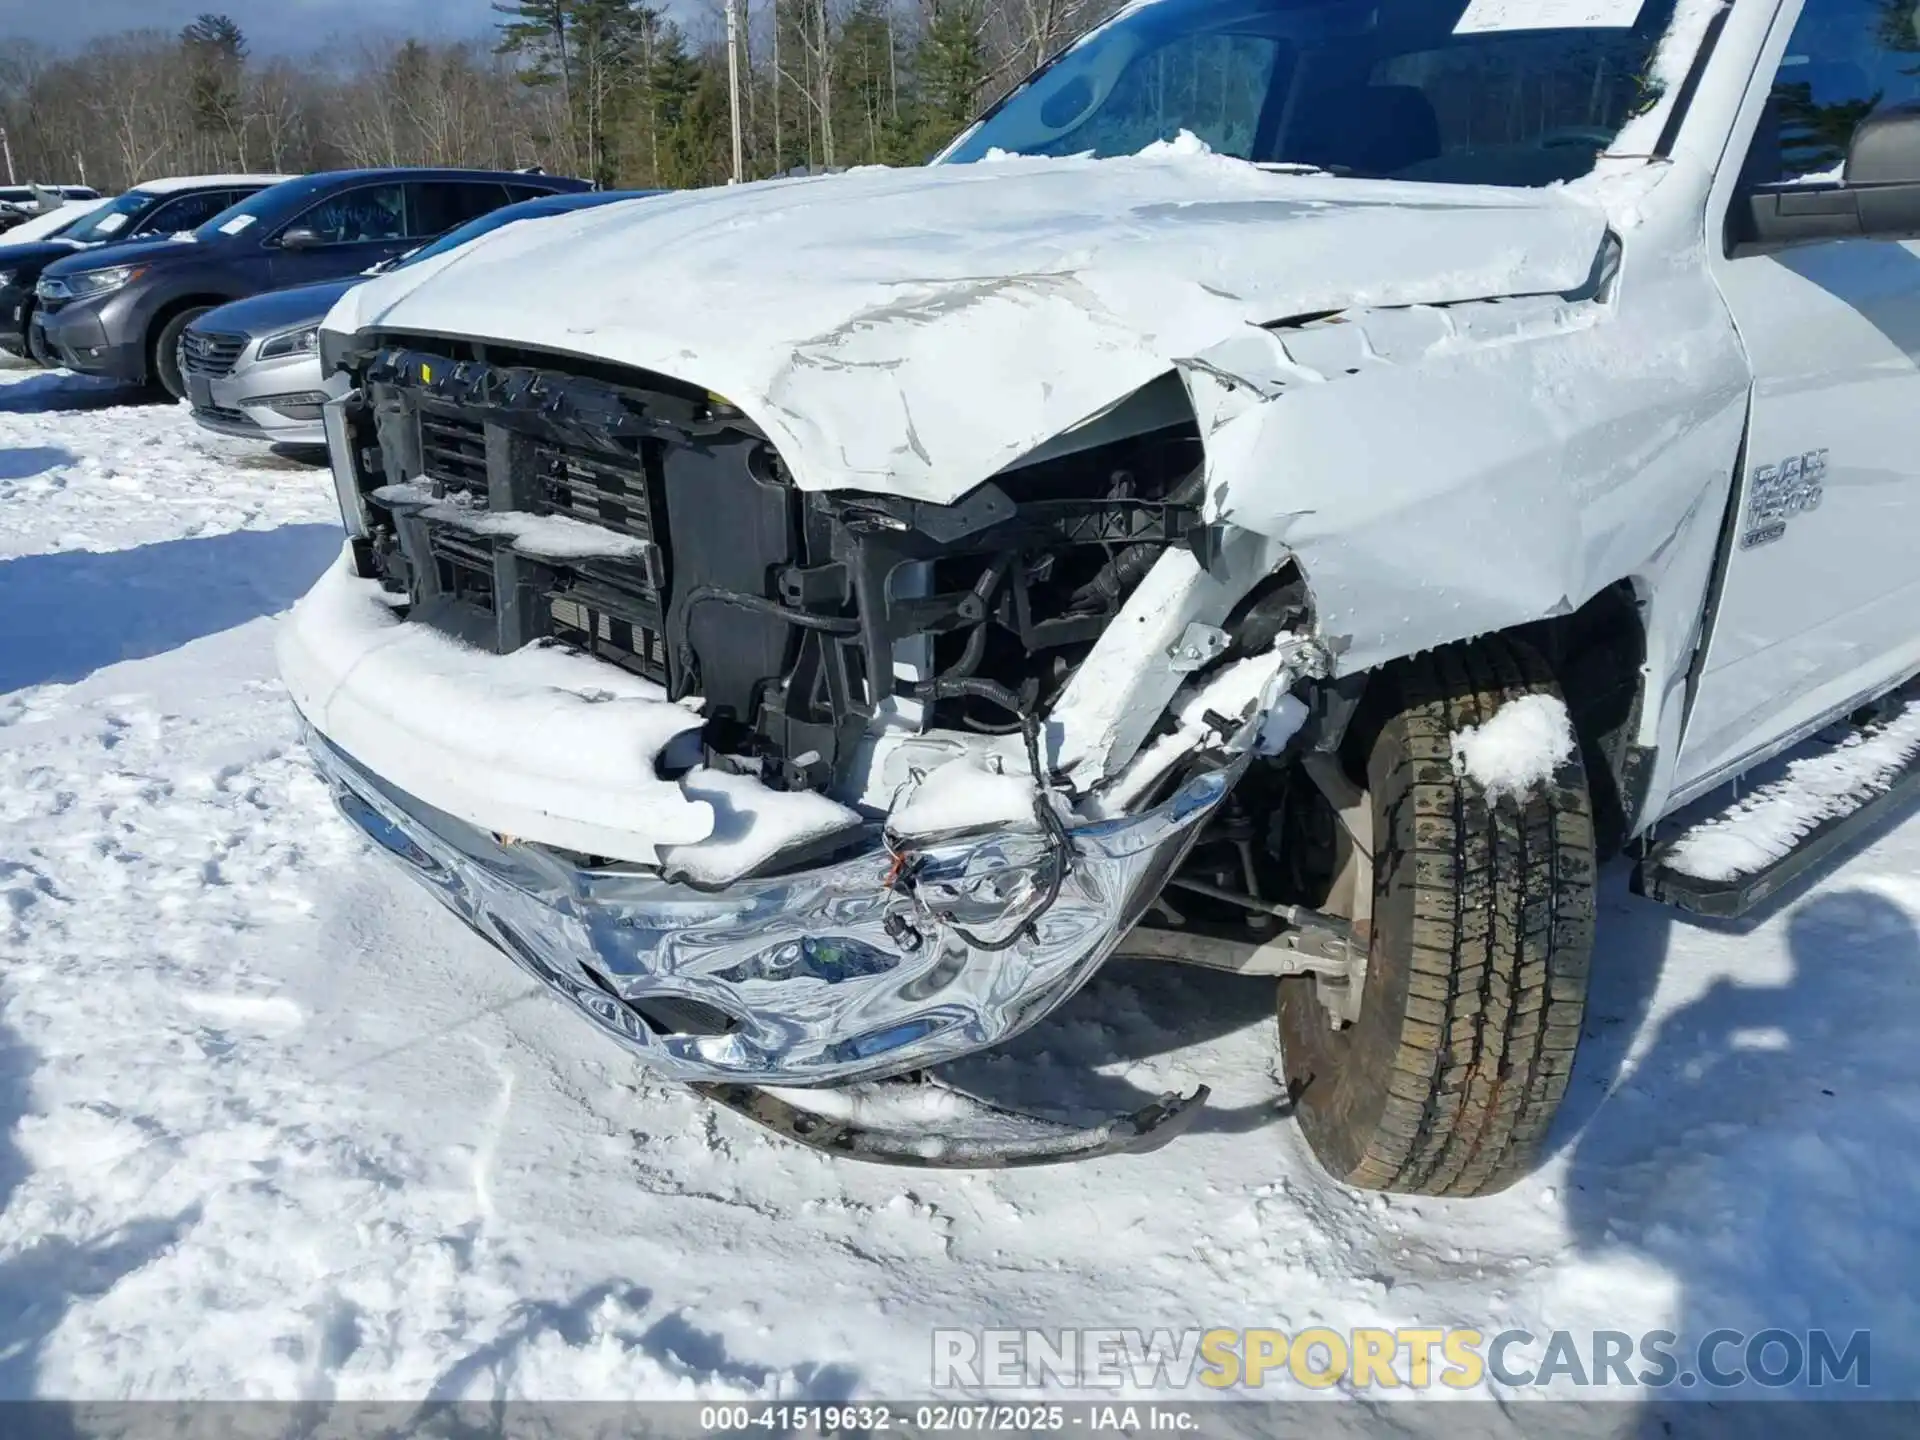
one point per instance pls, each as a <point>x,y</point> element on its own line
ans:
<point>439,205</point>
<point>185,212</point>
<point>1845,60</point>
<point>517,193</point>
<point>370,212</point>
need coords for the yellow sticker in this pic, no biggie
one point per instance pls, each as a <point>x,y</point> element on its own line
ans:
<point>426,374</point>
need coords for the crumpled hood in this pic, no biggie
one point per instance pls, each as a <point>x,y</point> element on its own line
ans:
<point>914,331</point>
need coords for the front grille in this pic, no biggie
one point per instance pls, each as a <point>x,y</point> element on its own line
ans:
<point>463,567</point>
<point>619,626</point>
<point>203,353</point>
<point>453,450</point>
<point>647,460</point>
<point>601,489</point>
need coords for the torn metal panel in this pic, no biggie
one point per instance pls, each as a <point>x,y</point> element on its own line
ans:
<point>1459,471</point>
<point>1123,687</point>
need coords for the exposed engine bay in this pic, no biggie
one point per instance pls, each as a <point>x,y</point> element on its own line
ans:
<point>905,660</point>
<point>808,625</point>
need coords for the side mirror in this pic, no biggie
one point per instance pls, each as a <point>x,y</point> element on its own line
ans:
<point>1885,149</point>
<point>300,237</point>
<point>1877,197</point>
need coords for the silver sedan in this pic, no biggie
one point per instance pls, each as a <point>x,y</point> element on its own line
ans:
<point>251,368</point>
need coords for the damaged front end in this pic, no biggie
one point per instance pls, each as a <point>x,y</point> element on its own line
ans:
<point>785,787</point>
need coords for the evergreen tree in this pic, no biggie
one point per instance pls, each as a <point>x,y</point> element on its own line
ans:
<point>536,33</point>
<point>216,54</point>
<point>949,69</point>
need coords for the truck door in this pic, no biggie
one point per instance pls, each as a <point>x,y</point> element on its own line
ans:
<point>1819,598</point>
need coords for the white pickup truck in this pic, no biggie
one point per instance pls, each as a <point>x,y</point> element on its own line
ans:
<point>1289,490</point>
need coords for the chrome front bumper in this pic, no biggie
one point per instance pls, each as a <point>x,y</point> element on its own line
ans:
<point>818,977</point>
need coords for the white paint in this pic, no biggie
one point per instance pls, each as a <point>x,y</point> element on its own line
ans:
<point>1488,16</point>
<point>1518,750</point>
<point>914,331</point>
<point>1237,692</point>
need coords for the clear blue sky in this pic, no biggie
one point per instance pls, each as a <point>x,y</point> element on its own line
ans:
<point>273,26</point>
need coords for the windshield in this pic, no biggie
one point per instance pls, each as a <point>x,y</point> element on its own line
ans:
<point>268,206</point>
<point>112,218</point>
<point>1475,92</point>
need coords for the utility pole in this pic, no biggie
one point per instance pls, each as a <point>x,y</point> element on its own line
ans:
<point>733,81</point>
<point>7,146</point>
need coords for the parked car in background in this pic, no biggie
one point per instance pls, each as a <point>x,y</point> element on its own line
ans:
<point>152,209</point>
<point>252,369</point>
<point>49,223</point>
<point>124,317</point>
<point>20,203</point>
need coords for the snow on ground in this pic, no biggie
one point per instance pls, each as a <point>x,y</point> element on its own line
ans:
<point>270,1125</point>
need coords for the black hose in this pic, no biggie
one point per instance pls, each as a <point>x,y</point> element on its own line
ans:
<point>1128,566</point>
<point>759,604</point>
<point>976,650</point>
<point>682,624</point>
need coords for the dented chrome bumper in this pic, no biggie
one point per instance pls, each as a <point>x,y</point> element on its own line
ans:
<point>818,977</point>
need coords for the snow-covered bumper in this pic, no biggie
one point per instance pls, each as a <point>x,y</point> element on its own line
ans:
<point>821,976</point>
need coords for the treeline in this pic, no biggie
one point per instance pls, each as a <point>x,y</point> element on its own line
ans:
<point>614,90</point>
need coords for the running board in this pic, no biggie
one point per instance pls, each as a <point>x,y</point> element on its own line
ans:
<point>955,1131</point>
<point>1726,865</point>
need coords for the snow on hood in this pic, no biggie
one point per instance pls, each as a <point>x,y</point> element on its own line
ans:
<point>914,331</point>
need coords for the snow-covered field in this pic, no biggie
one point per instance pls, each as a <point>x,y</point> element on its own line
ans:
<point>271,1125</point>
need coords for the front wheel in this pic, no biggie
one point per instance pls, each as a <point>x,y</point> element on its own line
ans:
<point>164,365</point>
<point>1482,929</point>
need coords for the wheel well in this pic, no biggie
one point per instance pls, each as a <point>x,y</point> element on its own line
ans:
<point>166,315</point>
<point>1597,655</point>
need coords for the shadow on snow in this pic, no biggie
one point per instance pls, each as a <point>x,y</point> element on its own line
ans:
<point>70,613</point>
<point>23,462</point>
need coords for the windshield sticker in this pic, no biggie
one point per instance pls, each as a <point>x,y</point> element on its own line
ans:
<point>110,223</point>
<point>236,225</point>
<point>1484,17</point>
